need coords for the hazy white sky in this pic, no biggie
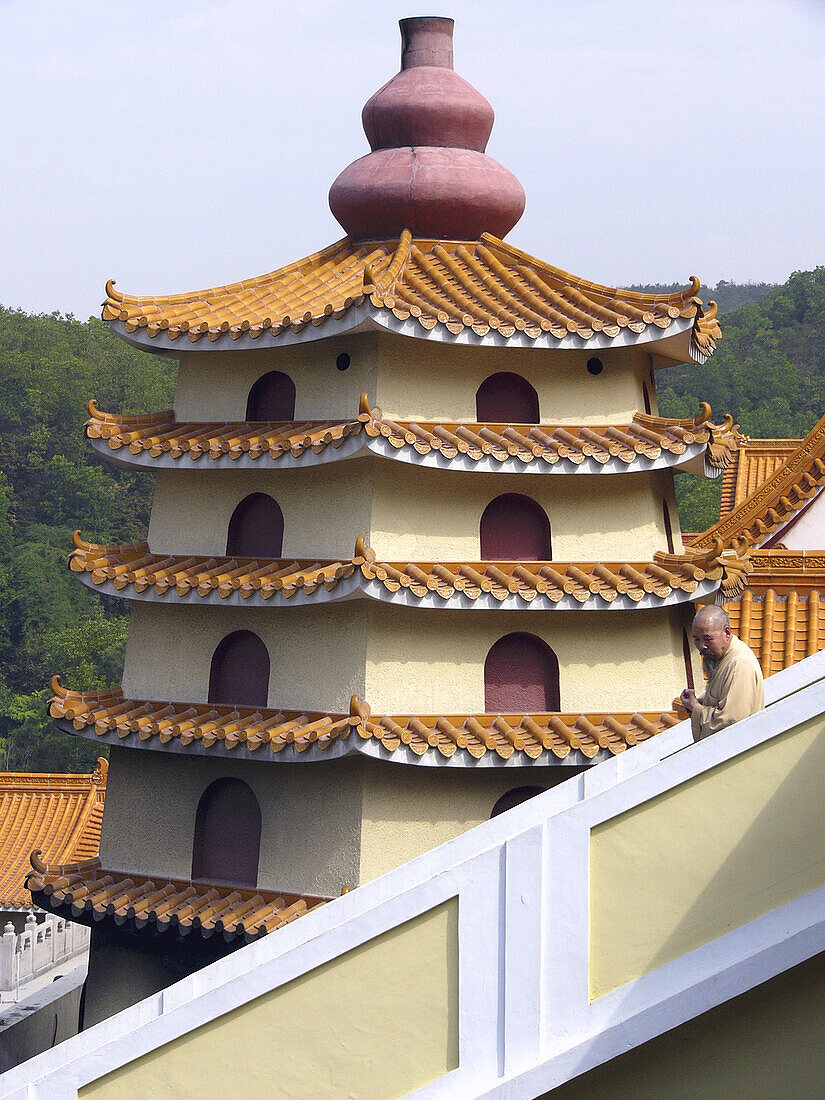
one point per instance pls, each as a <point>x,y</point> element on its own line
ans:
<point>181,145</point>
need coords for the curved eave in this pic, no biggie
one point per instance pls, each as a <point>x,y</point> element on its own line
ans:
<point>356,586</point>
<point>675,344</point>
<point>352,746</point>
<point>694,459</point>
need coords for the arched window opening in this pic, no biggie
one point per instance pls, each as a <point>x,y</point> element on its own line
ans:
<point>668,528</point>
<point>515,528</point>
<point>521,676</point>
<point>256,529</point>
<point>227,835</point>
<point>515,798</point>
<point>506,398</point>
<point>240,671</point>
<point>272,398</point>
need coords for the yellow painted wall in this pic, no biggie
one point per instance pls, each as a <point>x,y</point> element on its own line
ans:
<point>767,1043</point>
<point>325,508</point>
<point>412,513</point>
<point>375,1023</point>
<point>409,810</point>
<point>316,653</point>
<point>707,857</point>
<point>411,378</point>
<point>216,385</point>
<point>433,661</point>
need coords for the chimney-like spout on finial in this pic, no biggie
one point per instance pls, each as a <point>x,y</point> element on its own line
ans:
<point>427,40</point>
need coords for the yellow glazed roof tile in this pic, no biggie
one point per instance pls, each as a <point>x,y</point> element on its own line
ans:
<point>60,814</point>
<point>484,286</point>
<point>87,893</point>
<point>533,737</point>
<point>752,464</point>
<point>776,500</point>
<point>160,437</point>
<point>133,571</point>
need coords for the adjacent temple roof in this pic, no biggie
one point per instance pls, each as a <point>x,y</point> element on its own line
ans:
<point>780,614</point>
<point>62,814</point>
<point>134,572</point>
<point>754,461</point>
<point>468,291</point>
<point>792,484</point>
<point>428,739</point>
<point>87,893</point>
<point>157,440</point>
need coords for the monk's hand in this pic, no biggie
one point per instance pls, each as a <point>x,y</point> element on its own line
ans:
<point>688,700</point>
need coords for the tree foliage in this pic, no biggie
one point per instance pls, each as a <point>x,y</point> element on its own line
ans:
<point>51,482</point>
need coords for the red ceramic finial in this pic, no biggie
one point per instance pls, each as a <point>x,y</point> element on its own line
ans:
<point>427,172</point>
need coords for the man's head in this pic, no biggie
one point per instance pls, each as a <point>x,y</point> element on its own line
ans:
<point>712,633</point>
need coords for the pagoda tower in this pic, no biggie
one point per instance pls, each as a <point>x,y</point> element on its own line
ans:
<point>414,552</point>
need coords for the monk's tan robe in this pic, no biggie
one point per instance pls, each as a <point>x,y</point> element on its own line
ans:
<point>735,690</point>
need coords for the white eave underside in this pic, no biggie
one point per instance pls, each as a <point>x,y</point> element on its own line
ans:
<point>676,344</point>
<point>352,745</point>
<point>694,458</point>
<point>358,587</point>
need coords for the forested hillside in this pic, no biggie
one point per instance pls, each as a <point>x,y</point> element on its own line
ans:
<point>50,483</point>
<point>768,371</point>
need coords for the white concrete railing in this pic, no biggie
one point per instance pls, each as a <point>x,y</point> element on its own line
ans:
<point>526,1020</point>
<point>38,948</point>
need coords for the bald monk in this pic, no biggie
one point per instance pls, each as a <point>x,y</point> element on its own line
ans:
<point>734,689</point>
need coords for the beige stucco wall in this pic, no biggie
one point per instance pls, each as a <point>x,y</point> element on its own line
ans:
<point>410,810</point>
<point>309,841</point>
<point>216,385</point>
<point>412,513</point>
<point>413,379</point>
<point>765,1044</point>
<point>730,845</point>
<point>311,1039</point>
<point>433,661</point>
<point>403,659</point>
<point>316,654</point>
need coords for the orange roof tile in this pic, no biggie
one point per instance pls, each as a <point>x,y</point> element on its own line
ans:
<point>788,489</point>
<point>245,730</point>
<point>61,814</point>
<point>647,442</point>
<point>467,289</point>
<point>567,585</point>
<point>781,614</point>
<point>87,893</point>
<point>754,461</point>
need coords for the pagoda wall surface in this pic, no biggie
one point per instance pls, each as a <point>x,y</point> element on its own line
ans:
<point>325,825</point>
<point>310,836</point>
<point>408,660</point>
<point>413,513</point>
<point>413,379</point>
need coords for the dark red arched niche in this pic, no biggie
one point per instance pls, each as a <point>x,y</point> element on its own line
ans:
<point>272,398</point>
<point>256,529</point>
<point>240,671</point>
<point>506,398</point>
<point>668,528</point>
<point>515,798</point>
<point>521,676</point>
<point>227,834</point>
<point>515,528</point>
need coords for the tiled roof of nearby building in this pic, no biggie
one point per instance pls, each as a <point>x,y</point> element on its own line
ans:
<point>647,442</point>
<point>235,730</point>
<point>754,461</point>
<point>134,572</point>
<point>87,893</point>
<point>61,814</point>
<point>775,501</point>
<point>780,614</point>
<point>484,288</point>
